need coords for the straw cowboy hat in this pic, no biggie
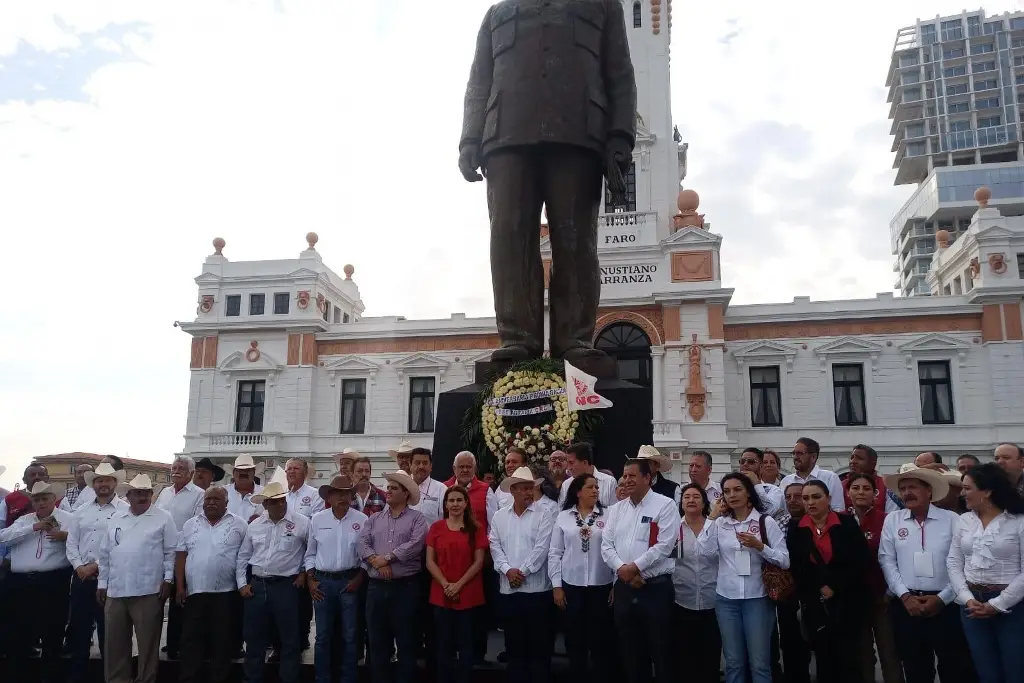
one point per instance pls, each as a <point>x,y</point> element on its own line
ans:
<point>954,477</point>
<point>938,481</point>
<point>406,482</point>
<point>652,453</point>
<point>244,461</point>
<point>338,483</point>
<point>2,470</point>
<point>41,488</point>
<point>141,482</point>
<point>272,491</point>
<point>404,448</point>
<point>522,475</point>
<point>347,454</point>
<point>104,469</point>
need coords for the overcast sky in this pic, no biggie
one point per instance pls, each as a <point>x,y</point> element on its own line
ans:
<point>132,132</point>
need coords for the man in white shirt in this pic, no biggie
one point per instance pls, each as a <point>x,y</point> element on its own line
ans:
<point>304,500</point>
<point>579,459</point>
<point>771,496</point>
<point>136,568</point>
<point>86,495</point>
<point>700,474</point>
<point>276,548</point>
<point>514,459</point>
<point>519,536</point>
<point>334,577</point>
<point>183,500</point>
<point>243,487</point>
<point>639,544</point>
<point>38,582</point>
<point>913,550</point>
<point>88,526</point>
<point>204,579</point>
<point>431,490</point>
<point>805,466</point>
<point>206,473</point>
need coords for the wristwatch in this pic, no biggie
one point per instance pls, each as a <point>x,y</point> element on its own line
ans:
<point>389,558</point>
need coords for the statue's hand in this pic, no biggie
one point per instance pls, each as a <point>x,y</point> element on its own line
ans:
<point>469,162</point>
<point>618,156</point>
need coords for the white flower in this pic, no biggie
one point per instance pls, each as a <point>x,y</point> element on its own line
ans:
<point>531,450</point>
<point>535,431</point>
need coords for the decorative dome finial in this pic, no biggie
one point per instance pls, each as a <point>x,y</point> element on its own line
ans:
<point>982,195</point>
<point>349,269</point>
<point>218,246</point>
<point>942,238</point>
<point>687,202</point>
<point>312,238</point>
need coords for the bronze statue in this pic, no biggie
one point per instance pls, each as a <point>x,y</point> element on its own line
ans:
<point>550,109</point>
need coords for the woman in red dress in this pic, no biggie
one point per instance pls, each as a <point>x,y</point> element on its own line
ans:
<point>455,556</point>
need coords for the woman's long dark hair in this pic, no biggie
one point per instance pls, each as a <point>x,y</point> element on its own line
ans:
<point>547,484</point>
<point>469,524</point>
<point>755,500</point>
<point>990,477</point>
<point>706,509</point>
<point>572,496</point>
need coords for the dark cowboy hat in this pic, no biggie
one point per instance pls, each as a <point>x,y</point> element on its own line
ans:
<point>338,483</point>
<point>207,464</point>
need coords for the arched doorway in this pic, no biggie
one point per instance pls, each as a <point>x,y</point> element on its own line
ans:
<point>631,348</point>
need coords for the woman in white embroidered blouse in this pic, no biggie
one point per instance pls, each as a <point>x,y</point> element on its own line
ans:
<point>745,613</point>
<point>986,569</point>
<point>582,582</point>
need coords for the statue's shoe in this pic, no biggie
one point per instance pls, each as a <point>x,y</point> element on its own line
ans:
<point>583,353</point>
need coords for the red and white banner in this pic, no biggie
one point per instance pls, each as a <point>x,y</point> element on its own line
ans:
<point>579,389</point>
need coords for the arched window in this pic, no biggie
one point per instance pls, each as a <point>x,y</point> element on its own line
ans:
<point>631,348</point>
<point>637,14</point>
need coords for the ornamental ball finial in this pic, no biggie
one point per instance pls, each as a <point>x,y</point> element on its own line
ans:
<point>982,195</point>
<point>349,269</point>
<point>688,201</point>
<point>312,238</point>
<point>218,245</point>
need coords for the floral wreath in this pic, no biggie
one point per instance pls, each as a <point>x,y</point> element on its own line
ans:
<point>526,407</point>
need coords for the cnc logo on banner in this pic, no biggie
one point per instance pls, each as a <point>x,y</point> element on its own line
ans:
<point>581,390</point>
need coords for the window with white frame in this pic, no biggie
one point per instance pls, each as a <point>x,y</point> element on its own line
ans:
<point>765,397</point>
<point>421,404</point>
<point>936,387</point>
<point>353,406</point>
<point>848,393</point>
<point>249,412</point>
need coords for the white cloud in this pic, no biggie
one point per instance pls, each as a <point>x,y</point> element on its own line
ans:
<point>257,121</point>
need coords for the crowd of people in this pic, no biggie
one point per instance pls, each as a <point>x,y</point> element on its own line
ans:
<point>646,579</point>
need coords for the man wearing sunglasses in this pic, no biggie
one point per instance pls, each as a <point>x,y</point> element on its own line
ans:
<point>805,466</point>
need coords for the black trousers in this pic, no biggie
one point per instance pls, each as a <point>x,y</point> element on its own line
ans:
<point>425,623</point>
<point>85,615</point>
<point>173,624</point>
<point>525,619</point>
<point>391,621</point>
<point>796,653</point>
<point>920,640</point>
<point>207,632</point>
<point>487,617</point>
<point>41,607</point>
<point>643,620</point>
<point>589,639</point>
<point>567,181</point>
<point>699,643</point>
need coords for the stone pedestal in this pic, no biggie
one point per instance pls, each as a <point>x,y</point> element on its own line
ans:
<point>601,367</point>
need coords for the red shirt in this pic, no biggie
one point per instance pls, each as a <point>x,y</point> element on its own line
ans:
<point>822,541</point>
<point>453,555</point>
<point>871,525</point>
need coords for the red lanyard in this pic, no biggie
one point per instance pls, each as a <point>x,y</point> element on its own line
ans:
<point>921,525</point>
<point>39,546</point>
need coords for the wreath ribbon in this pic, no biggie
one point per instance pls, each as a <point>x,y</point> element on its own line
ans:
<point>531,396</point>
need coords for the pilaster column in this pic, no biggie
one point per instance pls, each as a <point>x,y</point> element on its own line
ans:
<point>658,381</point>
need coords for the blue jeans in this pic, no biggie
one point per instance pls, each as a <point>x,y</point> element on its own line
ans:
<point>337,605</point>
<point>274,602</point>
<point>746,628</point>
<point>997,643</point>
<point>391,620</point>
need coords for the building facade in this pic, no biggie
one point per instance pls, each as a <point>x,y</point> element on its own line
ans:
<point>285,364</point>
<point>61,467</point>
<point>956,87</point>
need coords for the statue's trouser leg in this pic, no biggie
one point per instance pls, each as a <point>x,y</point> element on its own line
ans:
<point>517,274</point>
<point>571,179</point>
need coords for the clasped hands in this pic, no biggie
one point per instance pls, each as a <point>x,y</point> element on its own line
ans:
<point>630,573</point>
<point>922,605</point>
<point>980,610</point>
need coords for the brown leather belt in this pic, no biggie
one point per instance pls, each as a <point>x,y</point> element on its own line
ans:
<point>988,587</point>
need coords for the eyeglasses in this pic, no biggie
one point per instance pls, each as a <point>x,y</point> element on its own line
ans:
<point>795,453</point>
<point>748,461</point>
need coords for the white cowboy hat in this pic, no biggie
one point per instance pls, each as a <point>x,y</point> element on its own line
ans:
<point>2,470</point>
<point>271,491</point>
<point>347,454</point>
<point>938,482</point>
<point>41,488</point>
<point>652,453</point>
<point>104,469</point>
<point>522,475</point>
<point>954,477</point>
<point>244,461</point>
<point>406,482</point>
<point>404,448</point>
<point>141,482</point>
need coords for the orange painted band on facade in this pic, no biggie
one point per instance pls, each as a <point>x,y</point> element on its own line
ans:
<point>1012,322</point>
<point>452,343</point>
<point>836,328</point>
<point>648,318</point>
<point>991,323</point>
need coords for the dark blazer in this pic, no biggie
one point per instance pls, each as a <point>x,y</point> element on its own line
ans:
<point>846,574</point>
<point>550,72</point>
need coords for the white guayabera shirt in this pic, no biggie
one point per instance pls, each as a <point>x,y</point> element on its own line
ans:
<point>137,553</point>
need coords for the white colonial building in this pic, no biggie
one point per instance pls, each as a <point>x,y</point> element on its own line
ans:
<point>284,363</point>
